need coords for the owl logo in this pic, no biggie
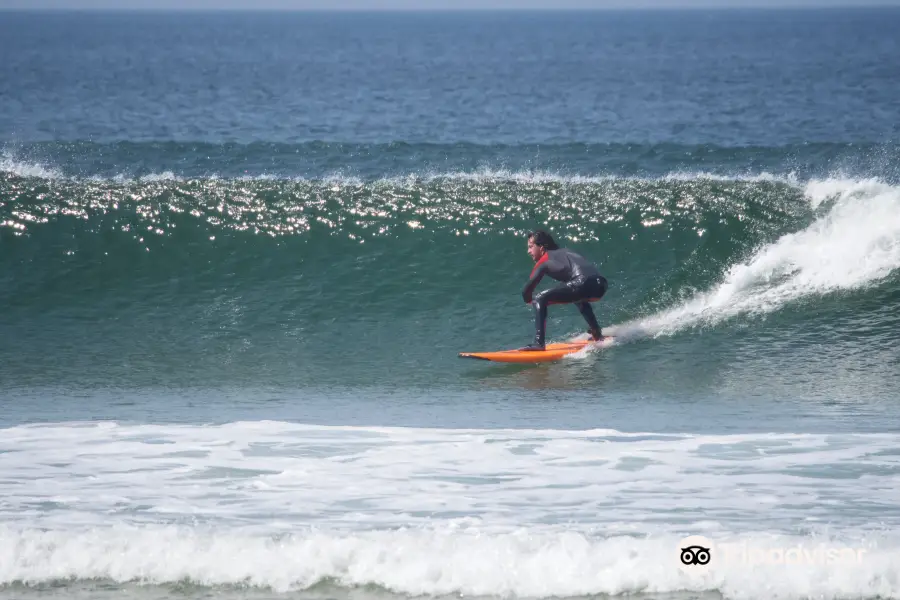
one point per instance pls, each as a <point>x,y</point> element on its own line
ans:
<point>695,555</point>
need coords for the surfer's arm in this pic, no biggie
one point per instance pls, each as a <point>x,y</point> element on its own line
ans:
<point>536,275</point>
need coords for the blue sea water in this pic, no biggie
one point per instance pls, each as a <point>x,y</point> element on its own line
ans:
<point>240,252</point>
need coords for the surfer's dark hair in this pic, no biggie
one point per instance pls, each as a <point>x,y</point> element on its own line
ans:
<point>543,239</point>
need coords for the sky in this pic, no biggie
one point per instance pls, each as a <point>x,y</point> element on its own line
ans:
<point>418,4</point>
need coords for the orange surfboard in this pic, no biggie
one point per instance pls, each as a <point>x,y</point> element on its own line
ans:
<point>549,353</point>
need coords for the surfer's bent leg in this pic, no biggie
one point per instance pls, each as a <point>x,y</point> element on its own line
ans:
<point>592,289</point>
<point>584,307</point>
<point>580,292</point>
<point>562,294</point>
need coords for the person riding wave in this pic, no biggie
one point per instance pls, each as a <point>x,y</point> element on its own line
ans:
<point>581,280</point>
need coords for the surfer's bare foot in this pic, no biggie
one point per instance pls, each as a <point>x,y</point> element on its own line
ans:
<point>596,334</point>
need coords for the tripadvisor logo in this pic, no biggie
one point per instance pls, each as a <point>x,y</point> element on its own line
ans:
<point>697,554</point>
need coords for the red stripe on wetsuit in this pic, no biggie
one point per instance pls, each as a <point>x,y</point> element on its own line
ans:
<point>540,261</point>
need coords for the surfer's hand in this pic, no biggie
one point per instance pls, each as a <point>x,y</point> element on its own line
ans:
<point>526,297</point>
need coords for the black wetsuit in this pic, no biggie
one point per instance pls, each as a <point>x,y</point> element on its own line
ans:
<point>582,284</point>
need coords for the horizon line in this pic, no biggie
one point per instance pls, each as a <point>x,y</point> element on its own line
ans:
<point>388,9</point>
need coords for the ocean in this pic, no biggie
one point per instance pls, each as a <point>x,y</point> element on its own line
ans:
<point>241,251</point>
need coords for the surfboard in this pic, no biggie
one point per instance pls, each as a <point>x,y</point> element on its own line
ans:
<point>550,352</point>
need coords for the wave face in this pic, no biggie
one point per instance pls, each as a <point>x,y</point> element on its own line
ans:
<point>237,276</point>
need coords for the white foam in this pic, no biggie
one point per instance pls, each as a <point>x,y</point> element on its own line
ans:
<point>337,476</point>
<point>10,164</point>
<point>788,178</point>
<point>492,175</point>
<point>854,244</point>
<point>164,176</point>
<point>438,511</point>
<point>447,560</point>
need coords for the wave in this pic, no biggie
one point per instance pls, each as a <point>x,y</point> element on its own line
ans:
<point>542,513</point>
<point>458,561</point>
<point>370,162</point>
<point>259,270</point>
<point>853,244</point>
<point>748,245</point>
<point>27,170</point>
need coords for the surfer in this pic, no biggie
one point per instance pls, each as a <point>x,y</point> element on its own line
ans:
<point>582,284</point>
